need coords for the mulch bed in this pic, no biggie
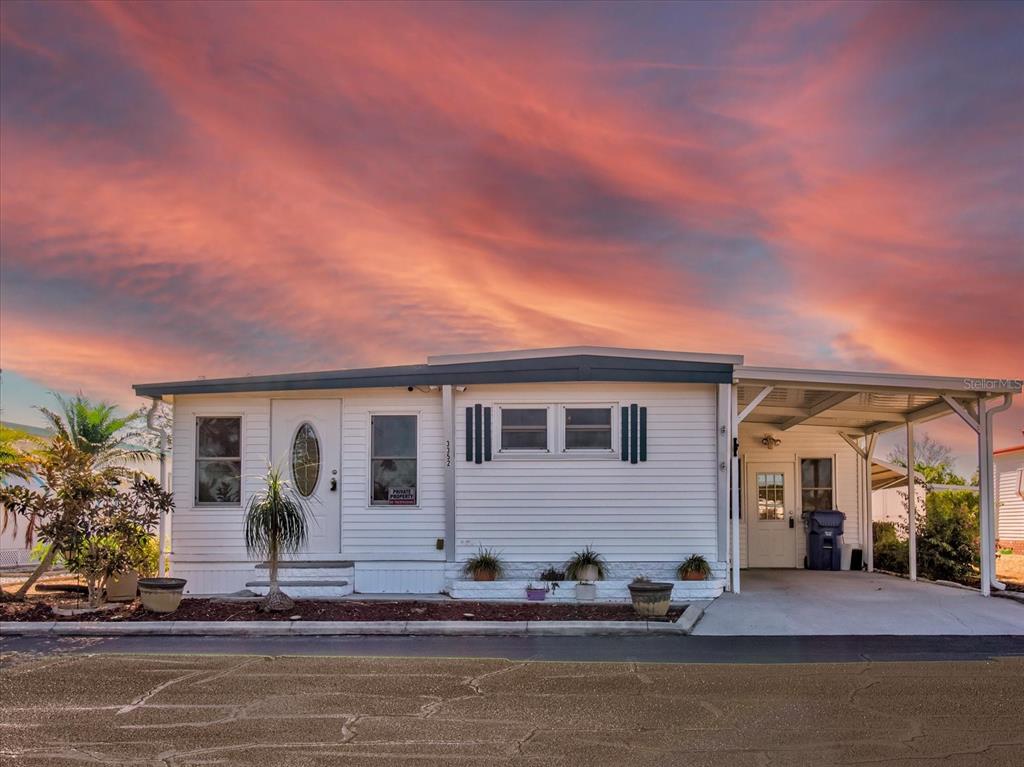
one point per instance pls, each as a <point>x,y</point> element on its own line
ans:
<point>349,610</point>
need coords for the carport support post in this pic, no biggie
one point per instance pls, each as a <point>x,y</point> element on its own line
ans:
<point>869,533</point>
<point>911,501</point>
<point>986,507</point>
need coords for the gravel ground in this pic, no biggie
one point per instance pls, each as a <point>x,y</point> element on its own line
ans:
<point>182,710</point>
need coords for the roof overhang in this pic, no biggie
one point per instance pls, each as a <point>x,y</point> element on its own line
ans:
<point>541,366</point>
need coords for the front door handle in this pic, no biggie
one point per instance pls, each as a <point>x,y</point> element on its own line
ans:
<point>334,489</point>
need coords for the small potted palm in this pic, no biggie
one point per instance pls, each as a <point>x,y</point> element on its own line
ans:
<point>694,568</point>
<point>485,565</point>
<point>276,523</point>
<point>650,599</point>
<point>587,566</point>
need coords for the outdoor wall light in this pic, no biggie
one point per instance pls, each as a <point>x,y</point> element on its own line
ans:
<point>770,442</point>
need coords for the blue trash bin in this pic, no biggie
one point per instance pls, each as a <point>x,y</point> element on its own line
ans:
<point>825,540</point>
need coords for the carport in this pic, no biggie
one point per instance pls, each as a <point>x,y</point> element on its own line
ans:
<point>858,407</point>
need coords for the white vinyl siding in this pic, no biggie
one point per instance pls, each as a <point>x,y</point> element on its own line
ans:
<point>214,532</point>
<point>381,532</point>
<point>1010,506</point>
<point>798,443</point>
<point>545,507</point>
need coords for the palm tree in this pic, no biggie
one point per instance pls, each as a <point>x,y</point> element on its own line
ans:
<point>276,523</point>
<point>96,429</point>
<point>16,452</point>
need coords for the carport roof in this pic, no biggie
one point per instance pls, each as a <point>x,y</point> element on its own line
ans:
<point>857,402</point>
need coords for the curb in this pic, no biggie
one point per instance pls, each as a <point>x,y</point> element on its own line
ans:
<point>684,625</point>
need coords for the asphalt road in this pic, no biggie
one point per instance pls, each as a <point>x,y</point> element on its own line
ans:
<point>667,649</point>
<point>80,707</point>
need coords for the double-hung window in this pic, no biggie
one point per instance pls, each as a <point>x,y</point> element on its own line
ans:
<point>524,429</point>
<point>393,460</point>
<point>816,484</point>
<point>587,428</point>
<point>219,460</point>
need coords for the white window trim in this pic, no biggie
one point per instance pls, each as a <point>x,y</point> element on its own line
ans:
<point>591,452</point>
<point>418,414</point>
<point>196,503</point>
<point>798,470</point>
<point>496,450</point>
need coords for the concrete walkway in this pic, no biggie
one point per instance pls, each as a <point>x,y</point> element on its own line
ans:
<point>802,602</point>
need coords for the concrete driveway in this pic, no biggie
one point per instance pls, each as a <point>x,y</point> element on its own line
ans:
<point>804,602</point>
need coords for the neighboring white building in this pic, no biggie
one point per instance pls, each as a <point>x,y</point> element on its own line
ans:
<point>1009,467</point>
<point>409,470</point>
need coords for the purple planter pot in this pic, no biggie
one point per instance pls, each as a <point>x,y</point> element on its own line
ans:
<point>536,595</point>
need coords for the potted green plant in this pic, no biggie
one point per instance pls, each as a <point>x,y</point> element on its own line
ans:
<point>536,593</point>
<point>485,565</point>
<point>650,598</point>
<point>551,575</point>
<point>694,568</point>
<point>587,566</point>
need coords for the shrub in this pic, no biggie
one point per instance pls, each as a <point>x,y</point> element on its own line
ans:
<point>947,545</point>
<point>891,551</point>
<point>551,574</point>
<point>947,538</point>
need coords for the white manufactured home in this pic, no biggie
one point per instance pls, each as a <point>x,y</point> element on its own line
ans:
<point>646,456</point>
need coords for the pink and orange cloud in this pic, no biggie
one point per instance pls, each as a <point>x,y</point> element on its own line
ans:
<point>224,188</point>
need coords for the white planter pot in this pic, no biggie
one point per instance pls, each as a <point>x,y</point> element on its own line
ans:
<point>587,573</point>
<point>586,592</point>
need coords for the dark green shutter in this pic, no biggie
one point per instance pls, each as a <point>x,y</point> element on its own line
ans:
<point>624,434</point>
<point>633,424</point>
<point>487,434</point>
<point>643,434</point>
<point>478,428</point>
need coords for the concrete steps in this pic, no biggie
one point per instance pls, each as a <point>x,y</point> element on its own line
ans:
<point>309,579</point>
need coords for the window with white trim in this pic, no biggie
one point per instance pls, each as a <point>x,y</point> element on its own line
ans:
<point>523,428</point>
<point>393,460</point>
<point>218,461</point>
<point>816,492</point>
<point>587,428</point>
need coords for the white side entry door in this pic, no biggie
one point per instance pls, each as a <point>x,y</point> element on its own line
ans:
<point>305,444</point>
<point>770,508</point>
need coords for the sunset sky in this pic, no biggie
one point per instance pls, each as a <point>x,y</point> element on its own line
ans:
<point>221,189</point>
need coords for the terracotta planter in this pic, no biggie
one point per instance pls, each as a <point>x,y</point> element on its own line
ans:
<point>484,575</point>
<point>122,587</point>
<point>694,577</point>
<point>587,573</point>
<point>161,595</point>
<point>536,595</point>
<point>651,598</point>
